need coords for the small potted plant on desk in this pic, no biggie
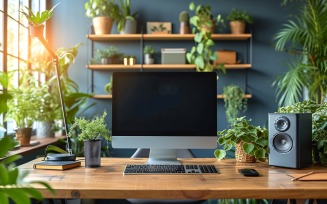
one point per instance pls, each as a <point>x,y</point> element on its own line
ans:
<point>90,131</point>
<point>250,142</point>
<point>238,20</point>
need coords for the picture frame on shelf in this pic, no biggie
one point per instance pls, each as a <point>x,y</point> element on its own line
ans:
<point>159,27</point>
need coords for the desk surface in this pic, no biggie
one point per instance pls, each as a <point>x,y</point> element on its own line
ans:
<point>108,182</point>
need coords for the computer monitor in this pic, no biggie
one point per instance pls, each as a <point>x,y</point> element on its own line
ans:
<point>164,111</point>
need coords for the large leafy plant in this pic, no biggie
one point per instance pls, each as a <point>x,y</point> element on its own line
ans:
<point>12,184</point>
<point>255,139</point>
<point>4,95</point>
<point>319,125</point>
<point>239,15</point>
<point>304,36</point>
<point>95,8</point>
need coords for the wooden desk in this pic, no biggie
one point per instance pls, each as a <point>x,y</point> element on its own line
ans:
<point>108,182</point>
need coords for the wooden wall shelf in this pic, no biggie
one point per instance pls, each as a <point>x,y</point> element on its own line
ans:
<point>113,37</point>
<point>158,66</point>
<point>109,96</point>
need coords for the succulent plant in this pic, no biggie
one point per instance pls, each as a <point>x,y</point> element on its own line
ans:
<point>183,16</point>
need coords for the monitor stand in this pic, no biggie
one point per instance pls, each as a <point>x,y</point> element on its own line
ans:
<point>163,156</point>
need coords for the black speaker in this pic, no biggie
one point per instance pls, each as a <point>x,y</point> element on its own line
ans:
<point>290,139</point>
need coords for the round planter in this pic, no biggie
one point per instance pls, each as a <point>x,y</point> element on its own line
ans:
<point>24,136</point>
<point>102,25</point>
<point>44,129</point>
<point>130,27</point>
<point>36,31</point>
<point>241,156</point>
<point>92,153</point>
<point>237,27</point>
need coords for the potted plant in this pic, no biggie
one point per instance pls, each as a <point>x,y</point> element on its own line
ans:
<point>36,20</point>
<point>304,36</point>
<point>202,54</point>
<point>234,102</point>
<point>4,95</point>
<point>103,14</point>
<point>184,23</point>
<point>149,51</point>
<point>238,19</point>
<point>251,142</point>
<point>319,124</point>
<point>126,22</point>
<point>22,108</point>
<point>48,111</point>
<point>90,131</point>
<point>110,55</point>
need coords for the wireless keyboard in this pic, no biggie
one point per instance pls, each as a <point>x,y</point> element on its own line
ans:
<point>170,169</point>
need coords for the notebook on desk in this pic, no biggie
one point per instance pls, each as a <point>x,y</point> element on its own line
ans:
<point>57,165</point>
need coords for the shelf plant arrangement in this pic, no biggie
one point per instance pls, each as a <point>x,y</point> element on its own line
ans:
<point>238,19</point>
<point>250,142</point>
<point>149,52</point>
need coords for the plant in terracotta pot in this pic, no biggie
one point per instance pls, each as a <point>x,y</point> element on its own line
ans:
<point>184,23</point>
<point>202,54</point>
<point>149,51</point>
<point>126,22</point>
<point>238,19</point>
<point>36,20</point>
<point>103,14</point>
<point>22,108</point>
<point>91,131</point>
<point>250,142</point>
<point>234,102</point>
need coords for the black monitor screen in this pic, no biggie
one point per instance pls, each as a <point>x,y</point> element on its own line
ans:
<point>164,104</point>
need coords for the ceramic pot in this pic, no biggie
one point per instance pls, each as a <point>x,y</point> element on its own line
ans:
<point>184,28</point>
<point>237,27</point>
<point>102,25</point>
<point>148,59</point>
<point>130,27</point>
<point>44,129</point>
<point>24,136</point>
<point>92,153</point>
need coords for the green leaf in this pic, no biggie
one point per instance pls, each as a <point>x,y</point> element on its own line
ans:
<point>199,62</point>
<point>248,148</point>
<point>198,37</point>
<point>6,144</point>
<point>260,153</point>
<point>220,154</point>
<point>18,195</point>
<point>3,197</point>
<point>191,6</point>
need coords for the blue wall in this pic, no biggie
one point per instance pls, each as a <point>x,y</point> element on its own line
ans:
<point>69,26</point>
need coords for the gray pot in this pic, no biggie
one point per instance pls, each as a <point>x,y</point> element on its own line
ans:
<point>44,129</point>
<point>130,27</point>
<point>92,153</point>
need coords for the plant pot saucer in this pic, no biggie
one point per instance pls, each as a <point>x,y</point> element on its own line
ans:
<point>32,143</point>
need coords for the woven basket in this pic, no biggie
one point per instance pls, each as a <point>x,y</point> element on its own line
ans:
<point>241,156</point>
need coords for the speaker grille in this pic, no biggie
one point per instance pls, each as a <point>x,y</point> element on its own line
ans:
<point>282,142</point>
<point>282,123</point>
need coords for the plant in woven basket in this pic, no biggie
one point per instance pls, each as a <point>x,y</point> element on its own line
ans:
<point>250,142</point>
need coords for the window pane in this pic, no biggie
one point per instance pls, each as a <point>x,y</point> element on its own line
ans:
<point>12,65</point>
<point>1,30</point>
<point>23,43</point>
<point>13,9</point>
<point>1,5</point>
<point>23,20</point>
<point>12,37</point>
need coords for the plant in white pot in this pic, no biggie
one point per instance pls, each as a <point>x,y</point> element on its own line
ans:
<point>149,51</point>
<point>103,14</point>
<point>91,131</point>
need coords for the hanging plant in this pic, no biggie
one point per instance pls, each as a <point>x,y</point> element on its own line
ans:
<point>234,102</point>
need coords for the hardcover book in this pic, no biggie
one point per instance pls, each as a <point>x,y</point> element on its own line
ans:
<point>57,165</point>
